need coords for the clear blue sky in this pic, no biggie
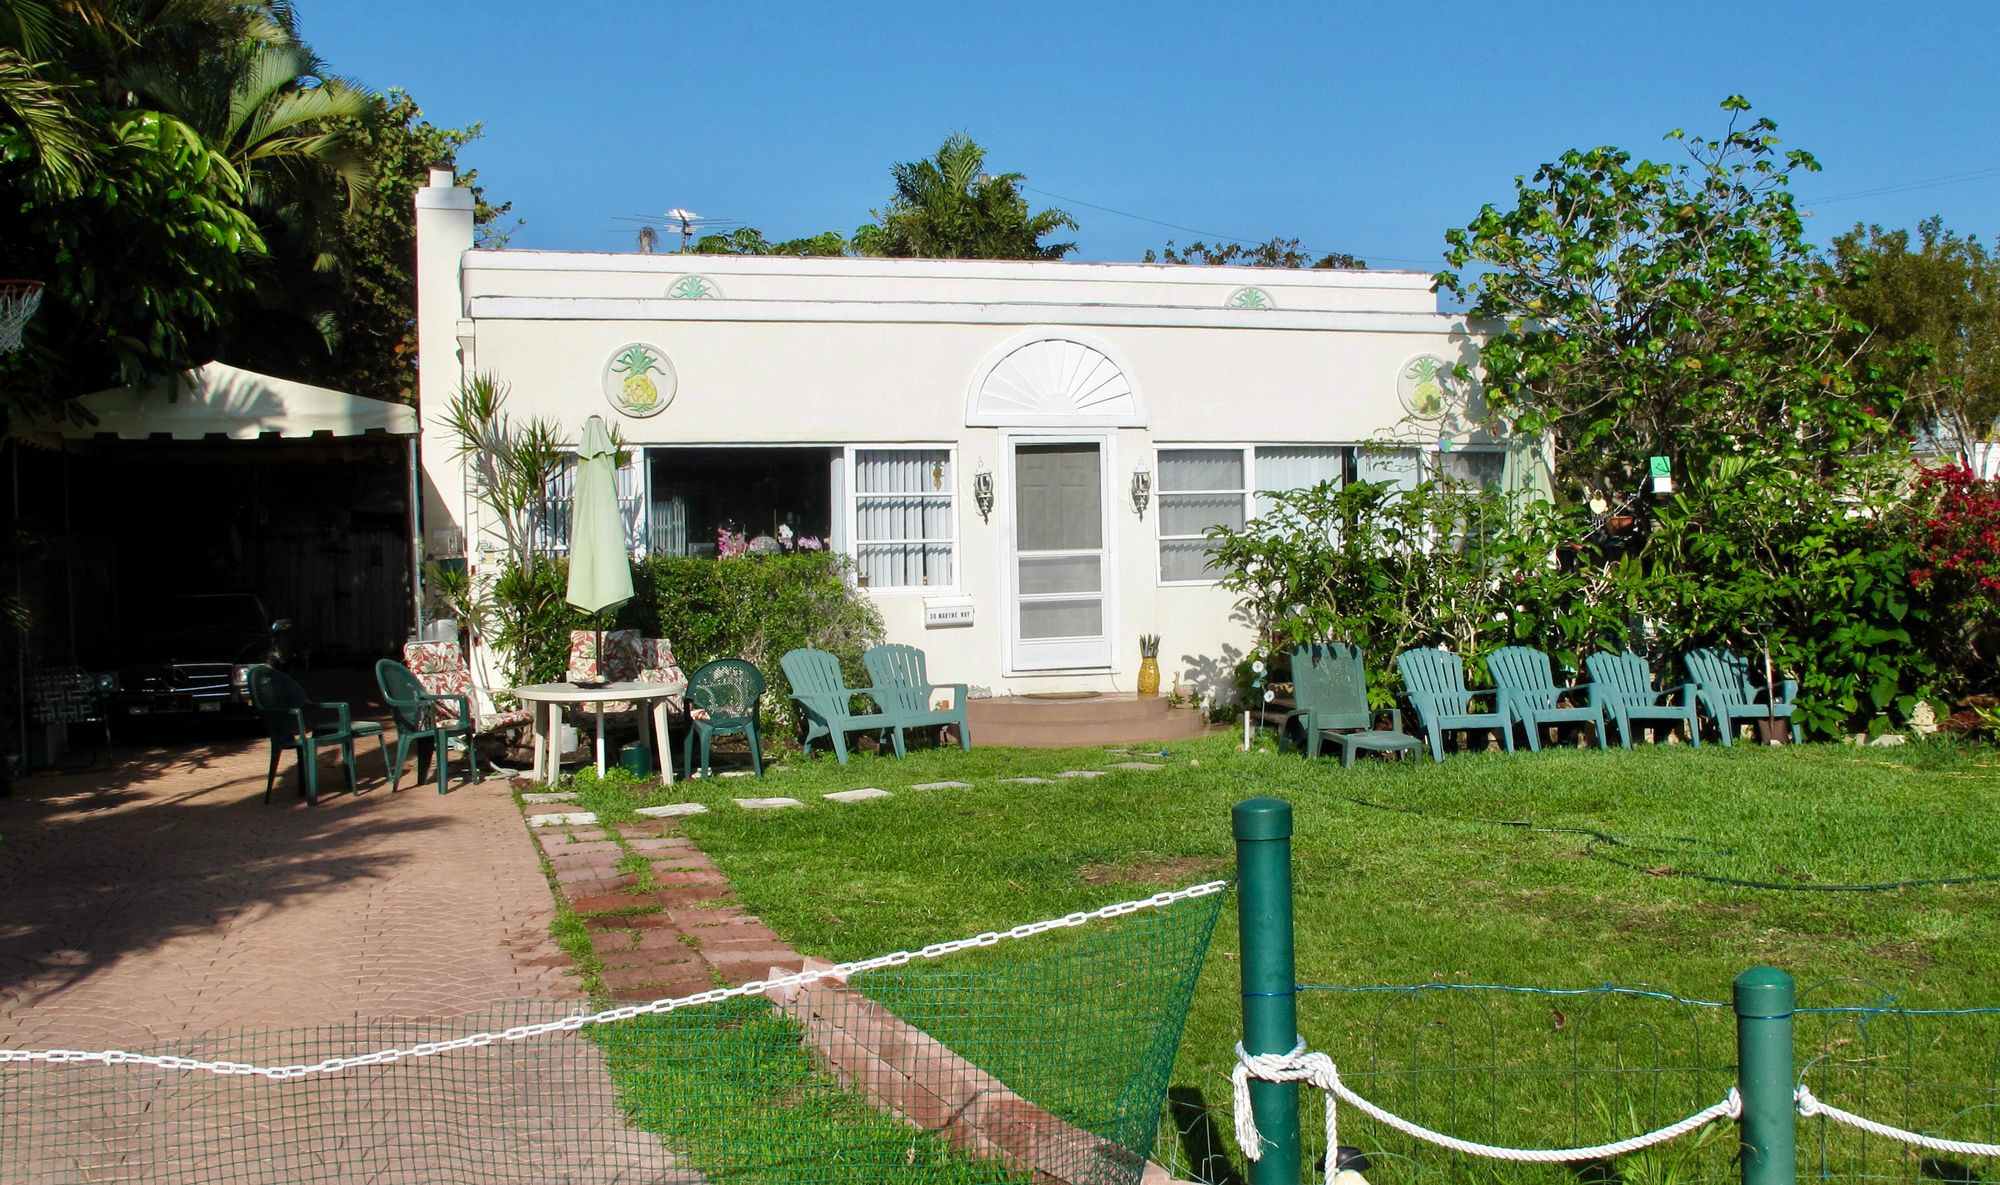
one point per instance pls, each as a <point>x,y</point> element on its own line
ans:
<point>1367,128</point>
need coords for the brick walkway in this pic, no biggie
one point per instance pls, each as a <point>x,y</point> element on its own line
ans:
<point>672,930</point>
<point>160,899</point>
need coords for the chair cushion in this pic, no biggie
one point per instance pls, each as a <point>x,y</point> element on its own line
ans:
<point>498,721</point>
<point>618,664</point>
<point>440,670</point>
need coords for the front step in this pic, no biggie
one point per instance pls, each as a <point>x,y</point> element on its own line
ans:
<point>1023,722</point>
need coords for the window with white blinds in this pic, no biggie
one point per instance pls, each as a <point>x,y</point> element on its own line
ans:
<point>1198,488</point>
<point>1295,467</point>
<point>903,518</point>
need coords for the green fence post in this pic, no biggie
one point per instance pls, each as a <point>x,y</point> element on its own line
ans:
<point>1764,998</point>
<point>1263,829</point>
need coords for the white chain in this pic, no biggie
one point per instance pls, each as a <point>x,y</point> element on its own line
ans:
<point>1317,1069</point>
<point>1810,1107</point>
<point>569,1024</point>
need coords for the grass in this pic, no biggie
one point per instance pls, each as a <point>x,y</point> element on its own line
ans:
<point>1564,869</point>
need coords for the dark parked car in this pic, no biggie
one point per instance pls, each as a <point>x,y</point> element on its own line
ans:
<point>188,655</point>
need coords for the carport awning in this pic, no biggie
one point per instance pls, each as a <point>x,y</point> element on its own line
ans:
<point>221,400</point>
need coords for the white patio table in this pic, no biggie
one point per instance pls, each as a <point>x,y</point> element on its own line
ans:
<point>545,703</point>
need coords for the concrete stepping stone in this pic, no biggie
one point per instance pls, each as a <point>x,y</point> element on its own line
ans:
<point>550,796</point>
<point>942,786</point>
<point>1030,781</point>
<point>1082,773</point>
<point>671,810</point>
<point>861,795</point>
<point>1143,765</point>
<point>767,804</point>
<point>735,773</point>
<point>569,819</point>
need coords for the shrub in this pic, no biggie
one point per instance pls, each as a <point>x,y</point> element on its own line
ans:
<point>1810,558</point>
<point>1435,565</point>
<point>1954,523</point>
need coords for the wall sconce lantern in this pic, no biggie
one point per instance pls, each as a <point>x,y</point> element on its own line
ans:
<point>982,493</point>
<point>1142,489</point>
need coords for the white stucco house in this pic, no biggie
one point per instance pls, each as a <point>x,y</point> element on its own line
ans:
<point>1020,457</point>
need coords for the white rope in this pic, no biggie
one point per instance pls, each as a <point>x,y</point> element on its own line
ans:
<point>1317,1069</point>
<point>1811,1107</point>
<point>569,1024</point>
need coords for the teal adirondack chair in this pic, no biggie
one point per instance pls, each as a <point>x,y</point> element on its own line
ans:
<point>907,696</point>
<point>1434,683</point>
<point>420,725</point>
<point>1621,686</point>
<point>826,701</point>
<point>1330,689</point>
<point>295,722</point>
<point>1534,698</point>
<point>722,699</point>
<point>1730,697</point>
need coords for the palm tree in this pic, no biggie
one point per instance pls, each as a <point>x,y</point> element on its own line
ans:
<point>948,207</point>
<point>34,101</point>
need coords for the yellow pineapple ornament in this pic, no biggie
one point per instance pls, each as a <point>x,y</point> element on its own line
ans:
<point>629,381</point>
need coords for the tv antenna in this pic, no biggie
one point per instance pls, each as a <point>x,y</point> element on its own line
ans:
<point>687,222</point>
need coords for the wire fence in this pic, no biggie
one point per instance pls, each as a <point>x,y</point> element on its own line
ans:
<point>1531,1067</point>
<point>985,1060</point>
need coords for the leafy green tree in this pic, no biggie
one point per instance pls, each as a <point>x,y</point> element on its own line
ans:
<point>374,351</point>
<point>1931,313</point>
<point>1663,309</point>
<point>1274,252</point>
<point>948,207</point>
<point>137,224</point>
<point>748,240</point>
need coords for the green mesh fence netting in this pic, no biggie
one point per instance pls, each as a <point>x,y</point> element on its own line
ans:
<point>1044,1059</point>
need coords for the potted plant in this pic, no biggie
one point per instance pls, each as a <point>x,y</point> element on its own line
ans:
<point>1149,664</point>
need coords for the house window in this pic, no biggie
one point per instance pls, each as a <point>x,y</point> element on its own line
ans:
<point>1475,469</point>
<point>1295,467</point>
<point>548,518</point>
<point>1199,488</point>
<point>904,517</point>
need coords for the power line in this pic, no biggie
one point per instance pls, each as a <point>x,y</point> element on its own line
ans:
<point>1905,187</point>
<point>1216,234</point>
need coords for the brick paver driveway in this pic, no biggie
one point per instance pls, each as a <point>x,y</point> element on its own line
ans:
<point>158,905</point>
<point>160,899</point>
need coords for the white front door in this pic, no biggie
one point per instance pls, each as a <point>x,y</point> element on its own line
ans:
<point>1061,610</point>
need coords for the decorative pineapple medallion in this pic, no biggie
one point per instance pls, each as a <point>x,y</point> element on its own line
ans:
<point>1428,387</point>
<point>694,288</point>
<point>639,381</point>
<point>1250,298</point>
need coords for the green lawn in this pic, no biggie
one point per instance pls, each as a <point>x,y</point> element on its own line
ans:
<point>1566,869</point>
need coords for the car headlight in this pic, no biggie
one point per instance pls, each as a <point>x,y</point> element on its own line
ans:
<point>239,680</point>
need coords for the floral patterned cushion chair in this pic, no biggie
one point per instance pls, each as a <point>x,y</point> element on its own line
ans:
<point>440,667</point>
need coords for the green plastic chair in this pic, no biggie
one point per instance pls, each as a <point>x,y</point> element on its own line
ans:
<point>1621,687</point>
<point>1534,698</point>
<point>288,720</point>
<point>1434,683</point>
<point>421,725</point>
<point>1330,689</point>
<point>826,701</point>
<point>1724,689</point>
<point>906,695</point>
<point>722,700</point>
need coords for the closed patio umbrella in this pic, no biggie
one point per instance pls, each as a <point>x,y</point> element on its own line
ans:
<point>600,569</point>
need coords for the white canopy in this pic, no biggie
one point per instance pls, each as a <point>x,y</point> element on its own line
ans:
<point>221,400</point>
